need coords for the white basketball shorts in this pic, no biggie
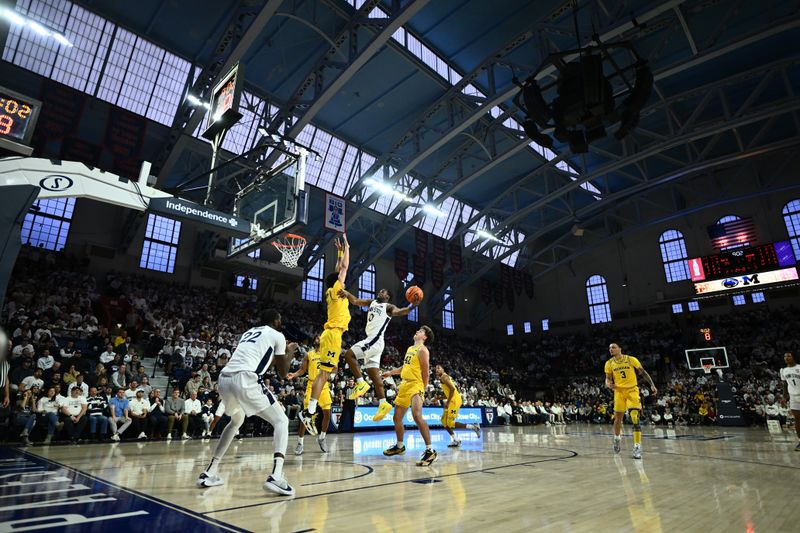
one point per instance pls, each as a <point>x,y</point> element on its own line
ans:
<point>246,391</point>
<point>794,402</point>
<point>369,352</point>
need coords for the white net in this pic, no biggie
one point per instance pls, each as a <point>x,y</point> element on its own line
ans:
<point>291,247</point>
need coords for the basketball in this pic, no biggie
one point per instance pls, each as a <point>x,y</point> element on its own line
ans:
<point>414,295</point>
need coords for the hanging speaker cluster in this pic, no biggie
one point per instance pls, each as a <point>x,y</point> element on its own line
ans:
<point>597,87</point>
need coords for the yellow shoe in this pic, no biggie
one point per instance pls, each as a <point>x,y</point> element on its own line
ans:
<point>360,390</point>
<point>383,410</point>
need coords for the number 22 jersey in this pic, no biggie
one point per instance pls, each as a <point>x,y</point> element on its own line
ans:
<point>255,351</point>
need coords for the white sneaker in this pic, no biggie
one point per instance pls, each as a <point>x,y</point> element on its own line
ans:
<point>169,436</point>
<point>637,451</point>
<point>298,450</point>
<point>209,480</point>
<point>454,444</point>
<point>142,435</point>
<point>278,486</point>
<point>322,445</point>
<point>476,428</point>
<point>185,437</point>
<point>115,437</point>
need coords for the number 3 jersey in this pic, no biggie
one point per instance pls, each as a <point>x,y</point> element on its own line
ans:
<point>624,371</point>
<point>255,351</point>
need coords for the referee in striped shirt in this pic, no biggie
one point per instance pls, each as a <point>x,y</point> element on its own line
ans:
<point>5,367</point>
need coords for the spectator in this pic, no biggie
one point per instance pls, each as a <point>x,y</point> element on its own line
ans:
<point>175,410</point>
<point>70,375</point>
<point>120,378</point>
<point>74,411</point>
<point>192,408</point>
<point>130,392</point>
<point>79,383</point>
<point>26,413</point>
<point>45,361</point>
<point>108,356</point>
<point>34,381</point>
<point>97,407</point>
<point>139,407</point>
<point>20,373</point>
<point>120,419</point>
<point>48,408</point>
<point>158,415</point>
<point>207,414</point>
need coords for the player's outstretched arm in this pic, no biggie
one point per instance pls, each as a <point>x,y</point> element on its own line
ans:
<point>353,300</point>
<point>392,372</point>
<point>345,262</point>
<point>282,360</point>
<point>300,371</point>
<point>394,311</point>
<point>649,380</point>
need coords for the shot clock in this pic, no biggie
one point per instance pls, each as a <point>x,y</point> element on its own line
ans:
<point>18,116</point>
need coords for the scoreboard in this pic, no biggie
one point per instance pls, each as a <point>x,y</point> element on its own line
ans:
<point>18,116</point>
<point>745,268</point>
<point>743,261</point>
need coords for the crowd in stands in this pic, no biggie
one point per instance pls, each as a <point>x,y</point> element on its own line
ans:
<point>78,344</point>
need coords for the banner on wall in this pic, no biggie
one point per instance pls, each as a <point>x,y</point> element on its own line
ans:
<point>334,213</point>
<point>73,149</point>
<point>421,238</point>
<point>527,280</point>
<point>420,270</point>
<point>455,257</point>
<point>61,113</point>
<point>486,291</point>
<point>401,263</point>
<point>124,139</point>
<point>497,290</point>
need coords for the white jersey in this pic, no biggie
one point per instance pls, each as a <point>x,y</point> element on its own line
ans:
<point>377,320</point>
<point>255,351</point>
<point>791,375</point>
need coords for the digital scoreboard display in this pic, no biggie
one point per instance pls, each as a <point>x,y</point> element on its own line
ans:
<point>18,115</point>
<point>224,106</point>
<point>743,261</point>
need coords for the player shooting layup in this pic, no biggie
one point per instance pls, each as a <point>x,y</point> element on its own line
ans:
<point>370,349</point>
<point>621,378</point>
<point>244,392</point>
<point>791,385</point>
<point>330,342</point>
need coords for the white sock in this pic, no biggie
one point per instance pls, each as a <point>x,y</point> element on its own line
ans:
<point>399,444</point>
<point>212,466</point>
<point>322,435</point>
<point>360,380</point>
<point>428,447</point>
<point>277,469</point>
<point>312,406</point>
<point>299,440</point>
<point>383,401</point>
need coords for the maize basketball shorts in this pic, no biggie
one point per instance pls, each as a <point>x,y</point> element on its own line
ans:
<point>450,414</point>
<point>627,398</point>
<point>407,390</point>
<point>330,348</point>
<point>324,401</point>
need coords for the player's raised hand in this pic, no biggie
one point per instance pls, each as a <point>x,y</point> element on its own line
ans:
<point>290,375</point>
<point>337,243</point>
<point>344,237</point>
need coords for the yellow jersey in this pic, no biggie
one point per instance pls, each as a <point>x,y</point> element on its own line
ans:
<point>449,392</point>
<point>412,370</point>
<point>313,366</point>
<point>624,371</point>
<point>338,308</point>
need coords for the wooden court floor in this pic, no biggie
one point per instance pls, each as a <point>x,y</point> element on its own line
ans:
<point>511,479</point>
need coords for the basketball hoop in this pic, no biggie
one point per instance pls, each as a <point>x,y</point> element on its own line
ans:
<point>291,247</point>
<point>707,367</point>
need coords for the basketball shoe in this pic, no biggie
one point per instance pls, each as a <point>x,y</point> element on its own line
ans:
<point>394,450</point>
<point>383,410</point>
<point>209,480</point>
<point>476,428</point>
<point>309,421</point>
<point>454,443</point>
<point>361,389</point>
<point>322,444</point>
<point>637,451</point>
<point>298,450</point>
<point>428,456</point>
<point>617,442</point>
<point>278,486</point>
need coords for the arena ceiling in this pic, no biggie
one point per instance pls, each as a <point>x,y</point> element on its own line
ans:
<point>420,92</point>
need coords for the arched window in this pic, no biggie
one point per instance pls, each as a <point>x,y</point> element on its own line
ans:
<point>597,295</point>
<point>366,285</point>
<point>449,311</point>
<point>791,217</point>
<point>312,286</point>
<point>673,255</point>
<point>729,218</point>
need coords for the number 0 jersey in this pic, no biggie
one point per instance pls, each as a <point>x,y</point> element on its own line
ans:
<point>377,320</point>
<point>624,371</point>
<point>255,351</point>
